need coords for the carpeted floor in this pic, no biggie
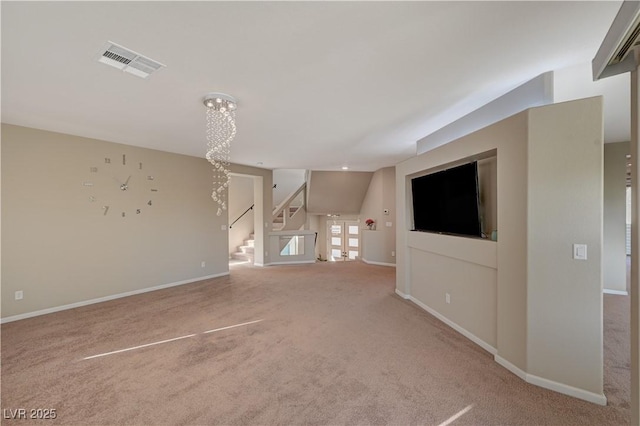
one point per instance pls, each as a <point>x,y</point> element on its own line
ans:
<point>318,344</point>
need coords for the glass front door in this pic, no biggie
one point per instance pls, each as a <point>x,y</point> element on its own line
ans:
<point>343,241</point>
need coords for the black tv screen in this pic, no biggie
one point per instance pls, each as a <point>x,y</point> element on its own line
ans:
<point>448,201</point>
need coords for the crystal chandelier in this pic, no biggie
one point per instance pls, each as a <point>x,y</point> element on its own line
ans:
<point>221,129</point>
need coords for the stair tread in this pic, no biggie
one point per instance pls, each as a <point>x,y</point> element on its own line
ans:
<point>240,255</point>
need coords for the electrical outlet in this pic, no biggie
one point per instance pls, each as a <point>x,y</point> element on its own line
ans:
<point>19,295</point>
<point>223,227</point>
<point>203,264</point>
<point>393,253</point>
<point>447,297</point>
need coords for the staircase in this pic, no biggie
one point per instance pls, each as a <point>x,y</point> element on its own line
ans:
<point>245,251</point>
<point>278,221</point>
<point>291,213</point>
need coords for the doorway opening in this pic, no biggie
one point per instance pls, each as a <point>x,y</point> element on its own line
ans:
<point>246,235</point>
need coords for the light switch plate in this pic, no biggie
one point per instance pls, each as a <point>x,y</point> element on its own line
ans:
<point>580,251</point>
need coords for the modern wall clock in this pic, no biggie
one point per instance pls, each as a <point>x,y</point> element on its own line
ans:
<point>121,187</point>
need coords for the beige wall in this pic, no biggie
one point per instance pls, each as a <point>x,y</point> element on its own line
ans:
<point>379,245</point>
<point>59,248</point>
<point>565,202</point>
<point>537,221</point>
<point>336,192</point>
<point>465,270</point>
<point>505,140</point>
<point>614,245</point>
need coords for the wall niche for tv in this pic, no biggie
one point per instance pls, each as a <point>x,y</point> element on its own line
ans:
<point>457,199</point>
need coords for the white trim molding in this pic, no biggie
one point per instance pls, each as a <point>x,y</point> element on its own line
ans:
<point>618,292</point>
<point>293,262</point>
<point>511,367</point>
<point>596,398</point>
<point>106,298</point>
<point>475,339</point>
<point>371,262</point>
<point>529,378</point>
<point>401,294</point>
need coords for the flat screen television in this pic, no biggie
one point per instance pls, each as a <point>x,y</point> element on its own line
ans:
<point>448,201</point>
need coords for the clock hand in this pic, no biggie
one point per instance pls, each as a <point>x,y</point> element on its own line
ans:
<point>125,185</point>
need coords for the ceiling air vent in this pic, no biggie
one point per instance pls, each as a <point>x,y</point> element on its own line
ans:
<point>631,40</point>
<point>128,61</point>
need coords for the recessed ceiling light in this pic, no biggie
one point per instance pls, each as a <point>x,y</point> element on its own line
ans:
<point>345,167</point>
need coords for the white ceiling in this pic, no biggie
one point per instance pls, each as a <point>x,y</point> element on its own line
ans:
<point>319,84</point>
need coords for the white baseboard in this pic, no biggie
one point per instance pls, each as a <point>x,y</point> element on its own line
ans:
<point>599,399</point>
<point>529,378</point>
<point>511,367</point>
<point>105,299</point>
<point>475,339</point>
<point>371,262</point>
<point>618,292</point>
<point>293,262</point>
<point>401,294</point>
<point>596,398</point>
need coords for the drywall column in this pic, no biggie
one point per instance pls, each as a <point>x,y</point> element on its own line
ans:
<point>614,257</point>
<point>564,294</point>
<point>635,248</point>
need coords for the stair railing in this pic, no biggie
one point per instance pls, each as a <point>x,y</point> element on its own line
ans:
<point>246,211</point>
<point>284,207</point>
<point>240,217</point>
